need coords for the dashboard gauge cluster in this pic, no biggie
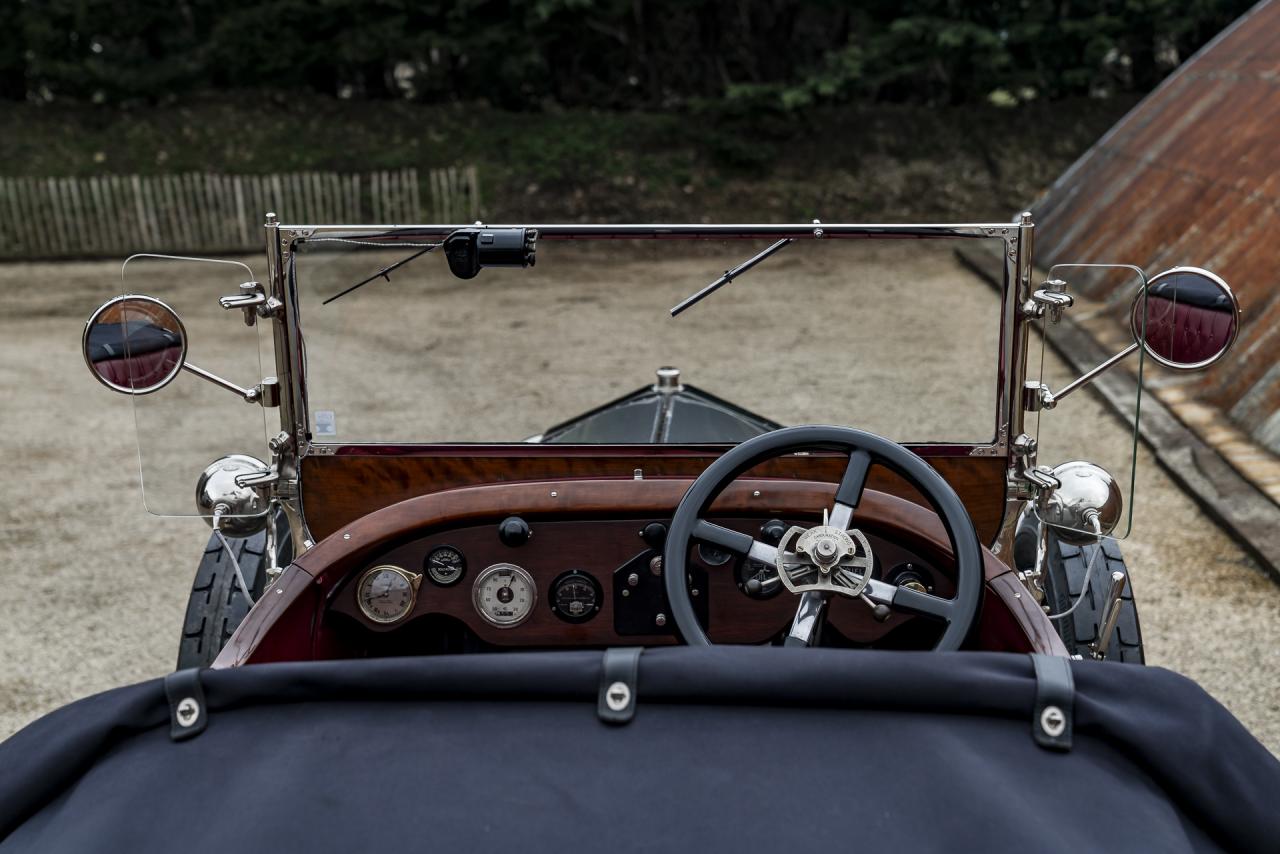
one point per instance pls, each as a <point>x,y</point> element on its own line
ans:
<point>576,596</point>
<point>445,566</point>
<point>504,595</point>
<point>386,594</point>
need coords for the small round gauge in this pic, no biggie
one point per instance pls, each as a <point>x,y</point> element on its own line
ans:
<point>504,594</point>
<point>445,565</point>
<point>714,555</point>
<point>575,596</point>
<point>386,594</point>
<point>758,579</point>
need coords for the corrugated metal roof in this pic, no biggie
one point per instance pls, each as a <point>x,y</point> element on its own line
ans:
<point>1192,176</point>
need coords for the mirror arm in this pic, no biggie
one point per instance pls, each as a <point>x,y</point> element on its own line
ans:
<point>1049,399</point>
<point>264,393</point>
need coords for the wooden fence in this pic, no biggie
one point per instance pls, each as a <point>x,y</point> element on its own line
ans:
<point>121,214</point>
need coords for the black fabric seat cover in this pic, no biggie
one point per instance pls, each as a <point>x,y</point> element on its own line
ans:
<point>731,749</point>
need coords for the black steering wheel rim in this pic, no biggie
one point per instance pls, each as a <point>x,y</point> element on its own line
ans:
<point>881,451</point>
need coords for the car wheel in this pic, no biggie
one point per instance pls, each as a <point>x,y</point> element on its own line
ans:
<point>1063,579</point>
<point>217,605</point>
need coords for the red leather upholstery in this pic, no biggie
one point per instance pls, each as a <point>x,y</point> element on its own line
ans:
<point>1182,332</point>
<point>140,371</point>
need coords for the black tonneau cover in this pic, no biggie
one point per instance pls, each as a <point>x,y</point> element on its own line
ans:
<point>730,749</point>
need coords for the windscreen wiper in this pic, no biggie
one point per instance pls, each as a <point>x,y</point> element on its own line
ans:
<point>729,276</point>
<point>468,251</point>
<point>382,274</point>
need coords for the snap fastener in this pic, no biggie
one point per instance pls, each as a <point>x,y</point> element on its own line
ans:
<point>1053,721</point>
<point>618,697</point>
<point>188,711</point>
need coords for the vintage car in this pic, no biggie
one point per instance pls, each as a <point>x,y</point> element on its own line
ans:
<point>434,613</point>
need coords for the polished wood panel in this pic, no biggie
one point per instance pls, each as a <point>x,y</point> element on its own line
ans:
<point>337,490</point>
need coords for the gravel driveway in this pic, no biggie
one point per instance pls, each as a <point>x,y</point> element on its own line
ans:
<point>93,589</point>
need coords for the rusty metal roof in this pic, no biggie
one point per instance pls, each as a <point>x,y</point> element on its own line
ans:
<point>1192,176</point>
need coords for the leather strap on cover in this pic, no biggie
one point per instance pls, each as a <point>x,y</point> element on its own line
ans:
<point>188,713</point>
<point>1052,719</point>
<point>619,676</point>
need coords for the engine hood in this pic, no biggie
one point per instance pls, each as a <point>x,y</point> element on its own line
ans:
<point>667,412</point>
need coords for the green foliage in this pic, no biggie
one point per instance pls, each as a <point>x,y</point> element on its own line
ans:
<point>763,57</point>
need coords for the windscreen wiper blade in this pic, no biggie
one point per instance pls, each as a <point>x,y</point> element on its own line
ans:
<point>383,273</point>
<point>729,276</point>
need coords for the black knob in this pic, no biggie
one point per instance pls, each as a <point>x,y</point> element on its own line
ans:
<point>773,530</point>
<point>514,531</point>
<point>654,535</point>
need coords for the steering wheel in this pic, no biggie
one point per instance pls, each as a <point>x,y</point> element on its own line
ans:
<point>833,558</point>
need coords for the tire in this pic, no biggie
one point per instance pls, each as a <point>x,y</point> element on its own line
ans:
<point>217,605</point>
<point>1063,579</point>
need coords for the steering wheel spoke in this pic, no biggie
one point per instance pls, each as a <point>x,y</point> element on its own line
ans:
<point>735,541</point>
<point>925,604</point>
<point>809,616</point>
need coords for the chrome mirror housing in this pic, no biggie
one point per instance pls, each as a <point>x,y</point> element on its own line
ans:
<point>1185,318</point>
<point>134,344</point>
<point>1189,319</point>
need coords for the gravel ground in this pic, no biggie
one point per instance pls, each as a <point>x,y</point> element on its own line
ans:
<point>93,589</point>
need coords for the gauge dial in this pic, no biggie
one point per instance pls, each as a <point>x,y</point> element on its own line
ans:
<point>386,594</point>
<point>575,596</point>
<point>758,579</point>
<point>445,565</point>
<point>714,555</point>
<point>504,594</point>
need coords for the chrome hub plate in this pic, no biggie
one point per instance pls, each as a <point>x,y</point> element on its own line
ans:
<point>825,558</point>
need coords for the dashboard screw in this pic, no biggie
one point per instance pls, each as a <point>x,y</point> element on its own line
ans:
<point>633,579</point>
<point>660,620</point>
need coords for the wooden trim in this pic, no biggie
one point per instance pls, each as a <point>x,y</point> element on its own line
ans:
<point>337,490</point>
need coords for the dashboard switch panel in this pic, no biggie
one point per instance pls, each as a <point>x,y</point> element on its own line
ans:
<point>637,606</point>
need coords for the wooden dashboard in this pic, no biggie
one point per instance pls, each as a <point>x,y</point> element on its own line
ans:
<point>609,562</point>
<point>591,525</point>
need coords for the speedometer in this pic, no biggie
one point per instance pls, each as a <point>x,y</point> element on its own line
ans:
<point>504,594</point>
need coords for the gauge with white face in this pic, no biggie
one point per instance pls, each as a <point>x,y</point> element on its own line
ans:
<point>386,594</point>
<point>504,594</point>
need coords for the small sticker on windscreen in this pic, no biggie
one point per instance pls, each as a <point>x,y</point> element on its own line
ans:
<point>326,424</point>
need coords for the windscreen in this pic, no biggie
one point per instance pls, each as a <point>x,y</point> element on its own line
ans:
<point>894,336</point>
<point>189,423</point>
<point>1097,423</point>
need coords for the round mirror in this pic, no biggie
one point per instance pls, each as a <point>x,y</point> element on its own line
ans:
<point>1189,319</point>
<point>134,344</point>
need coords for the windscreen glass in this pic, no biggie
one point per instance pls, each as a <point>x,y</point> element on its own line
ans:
<point>1095,422</point>
<point>189,423</point>
<point>895,336</point>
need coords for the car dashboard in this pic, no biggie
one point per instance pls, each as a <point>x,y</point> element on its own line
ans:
<point>593,583</point>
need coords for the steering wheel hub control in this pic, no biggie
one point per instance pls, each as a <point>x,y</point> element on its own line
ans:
<point>825,559</point>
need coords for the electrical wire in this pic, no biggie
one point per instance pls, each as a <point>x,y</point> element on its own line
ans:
<point>1088,572</point>
<point>231,556</point>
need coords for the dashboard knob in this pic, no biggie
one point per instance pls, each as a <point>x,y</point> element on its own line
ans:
<point>654,535</point>
<point>773,530</point>
<point>514,531</point>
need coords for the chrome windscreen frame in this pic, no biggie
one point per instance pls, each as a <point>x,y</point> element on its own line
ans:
<point>294,440</point>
